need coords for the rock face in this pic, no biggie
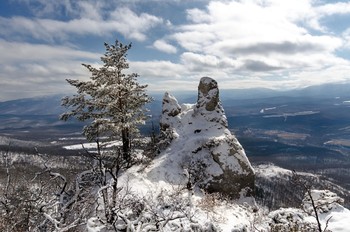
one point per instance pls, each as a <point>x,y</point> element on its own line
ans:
<point>208,102</point>
<point>208,95</point>
<point>200,142</point>
<point>170,108</point>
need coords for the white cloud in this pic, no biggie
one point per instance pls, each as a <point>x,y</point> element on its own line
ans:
<point>38,69</point>
<point>166,85</point>
<point>121,20</point>
<point>271,37</point>
<point>168,23</point>
<point>333,8</point>
<point>15,52</point>
<point>208,64</point>
<point>158,69</point>
<point>132,25</point>
<point>88,10</point>
<point>163,46</point>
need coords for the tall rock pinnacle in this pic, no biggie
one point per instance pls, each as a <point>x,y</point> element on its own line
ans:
<point>208,102</point>
<point>208,94</point>
<point>200,141</point>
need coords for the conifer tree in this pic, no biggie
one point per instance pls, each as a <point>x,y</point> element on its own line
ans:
<point>112,102</point>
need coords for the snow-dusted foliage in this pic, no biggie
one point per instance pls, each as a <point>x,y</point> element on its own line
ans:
<point>290,219</point>
<point>324,201</point>
<point>51,201</point>
<point>330,212</point>
<point>298,189</point>
<point>275,188</point>
<point>331,215</point>
<point>113,104</point>
<point>111,101</point>
<point>167,207</point>
<point>41,199</point>
<point>168,210</point>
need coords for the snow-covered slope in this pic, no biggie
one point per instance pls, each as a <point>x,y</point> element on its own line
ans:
<point>155,204</point>
<point>275,188</point>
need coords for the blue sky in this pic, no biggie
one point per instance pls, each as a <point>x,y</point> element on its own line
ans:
<point>279,44</point>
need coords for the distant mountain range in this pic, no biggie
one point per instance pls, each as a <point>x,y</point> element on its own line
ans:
<point>48,105</point>
<point>51,105</point>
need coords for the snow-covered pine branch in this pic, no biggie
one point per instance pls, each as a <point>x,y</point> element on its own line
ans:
<point>113,102</point>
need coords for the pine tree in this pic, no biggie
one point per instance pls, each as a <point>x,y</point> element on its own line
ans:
<point>111,101</point>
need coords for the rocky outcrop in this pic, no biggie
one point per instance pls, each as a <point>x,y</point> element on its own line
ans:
<point>208,95</point>
<point>170,109</point>
<point>210,156</point>
<point>208,102</point>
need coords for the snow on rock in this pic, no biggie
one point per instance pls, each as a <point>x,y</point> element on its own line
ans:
<point>329,208</point>
<point>94,225</point>
<point>170,108</point>
<point>270,171</point>
<point>332,215</point>
<point>324,200</point>
<point>338,219</point>
<point>208,103</point>
<point>201,151</point>
<point>289,219</point>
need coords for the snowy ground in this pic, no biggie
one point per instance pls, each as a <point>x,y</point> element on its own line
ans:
<point>212,212</point>
<point>90,146</point>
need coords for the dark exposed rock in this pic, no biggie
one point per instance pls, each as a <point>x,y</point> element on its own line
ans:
<point>208,102</point>
<point>170,108</point>
<point>208,94</point>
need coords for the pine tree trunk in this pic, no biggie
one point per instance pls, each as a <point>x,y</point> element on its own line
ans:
<point>126,144</point>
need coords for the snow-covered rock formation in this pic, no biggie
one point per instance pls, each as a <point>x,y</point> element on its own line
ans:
<point>200,143</point>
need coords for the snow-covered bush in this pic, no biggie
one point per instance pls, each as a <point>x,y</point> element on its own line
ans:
<point>290,220</point>
<point>324,201</point>
<point>209,201</point>
<point>167,210</point>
